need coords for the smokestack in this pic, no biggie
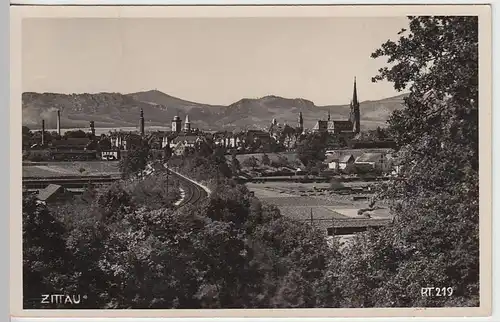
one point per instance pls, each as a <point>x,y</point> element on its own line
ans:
<point>58,122</point>
<point>142,123</point>
<point>92,128</point>
<point>43,132</point>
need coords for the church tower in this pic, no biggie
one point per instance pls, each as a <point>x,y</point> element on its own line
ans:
<point>355,116</point>
<point>142,123</point>
<point>176,124</point>
<point>301,121</point>
<point>187,124</point>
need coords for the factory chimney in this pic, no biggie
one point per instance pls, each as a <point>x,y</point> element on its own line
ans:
<point>59,122</point>
<point>92,129</point>
<point>43,132</point>
<point>142,123</point>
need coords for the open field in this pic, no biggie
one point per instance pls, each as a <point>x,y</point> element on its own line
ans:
<point>299,200</point>
<point>57,169</point>
<point>296,186</point>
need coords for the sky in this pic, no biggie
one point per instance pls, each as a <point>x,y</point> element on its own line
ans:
<point>209,60</point>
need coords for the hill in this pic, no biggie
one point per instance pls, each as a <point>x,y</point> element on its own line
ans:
<point>122,110</point>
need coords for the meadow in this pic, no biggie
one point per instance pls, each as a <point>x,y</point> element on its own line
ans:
<point>57,169</point>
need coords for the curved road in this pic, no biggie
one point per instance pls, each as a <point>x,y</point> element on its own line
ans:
<point>194,192</point>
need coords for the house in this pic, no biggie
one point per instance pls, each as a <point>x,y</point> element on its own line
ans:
<point>185,140</point>
<point>336,161</point>
<point>125,140</point>
<point>52,193</point>
<point>346,161</point>
<point>332,161</point>
<point>373,160</point>
<point>396,166</point>
<point>180,143</point>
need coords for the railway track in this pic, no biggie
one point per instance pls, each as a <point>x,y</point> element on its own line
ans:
<point>194,193</point>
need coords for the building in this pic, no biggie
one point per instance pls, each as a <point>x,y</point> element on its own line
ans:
<point>300,122</point>
<point>141,125</point>
<point>339,162</point>
<point>348,127</point>
<point>125,140</point>
<point>253,136</point>
<point>58,122</point>
<point>374,160</point>
<point>176,124</point>
<point>52,193</point>
<point>92,129</point>
<point>110,155</point>
<point>187,125</point>
<point>181,142</point>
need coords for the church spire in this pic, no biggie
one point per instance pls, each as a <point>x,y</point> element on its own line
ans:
<point>328,115</point>
<point>355,115</point>
<point>355,93</point>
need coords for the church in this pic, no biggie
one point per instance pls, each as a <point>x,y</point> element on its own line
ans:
<point>350,126</point>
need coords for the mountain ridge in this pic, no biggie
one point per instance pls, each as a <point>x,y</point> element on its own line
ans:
<point>108,109</point>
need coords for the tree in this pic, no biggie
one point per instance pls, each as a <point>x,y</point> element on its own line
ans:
<point>312,148</point>
<point>235,164</point>
<point>75,134</point>
<point>26,137</point>
<point>45,257</point>
<point>135,160</point>
<point>265,159</point>
<point>251,162</point>
<point>435,236</point>
<point>203,148</point>
<point>167,152</point>
<point>104,143</point>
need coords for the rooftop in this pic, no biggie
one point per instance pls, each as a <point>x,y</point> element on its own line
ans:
<point>46,193</point>
<point>369,157</point>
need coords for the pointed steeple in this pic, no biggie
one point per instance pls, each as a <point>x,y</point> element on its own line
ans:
<point>355,115</point>
<point>355,94</point>
<point>187,124</point>
<point>301,121</point>
<point>328,115</point>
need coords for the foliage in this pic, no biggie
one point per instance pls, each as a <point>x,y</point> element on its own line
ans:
<point>134,161</point>
<point>127,248</point>
<point>235,164</point>
<point>311,149</point>
<point>435,237</point>
<point>153,192</point>
<point>265,159</point>
<point>251,162</point>
<point>336,184</point>
<point>44,253</point>
<point>75,134</point>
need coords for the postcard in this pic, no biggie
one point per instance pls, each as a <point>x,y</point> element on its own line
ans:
<point>251,161</point>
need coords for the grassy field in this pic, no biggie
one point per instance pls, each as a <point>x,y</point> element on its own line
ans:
<point>56,169</point>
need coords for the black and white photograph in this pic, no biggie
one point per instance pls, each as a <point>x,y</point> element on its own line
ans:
<point>254,161</point>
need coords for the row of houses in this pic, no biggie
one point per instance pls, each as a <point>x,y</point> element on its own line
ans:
<point>383,161</point>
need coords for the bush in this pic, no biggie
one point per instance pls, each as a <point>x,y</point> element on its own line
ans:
<point>335,184</point>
